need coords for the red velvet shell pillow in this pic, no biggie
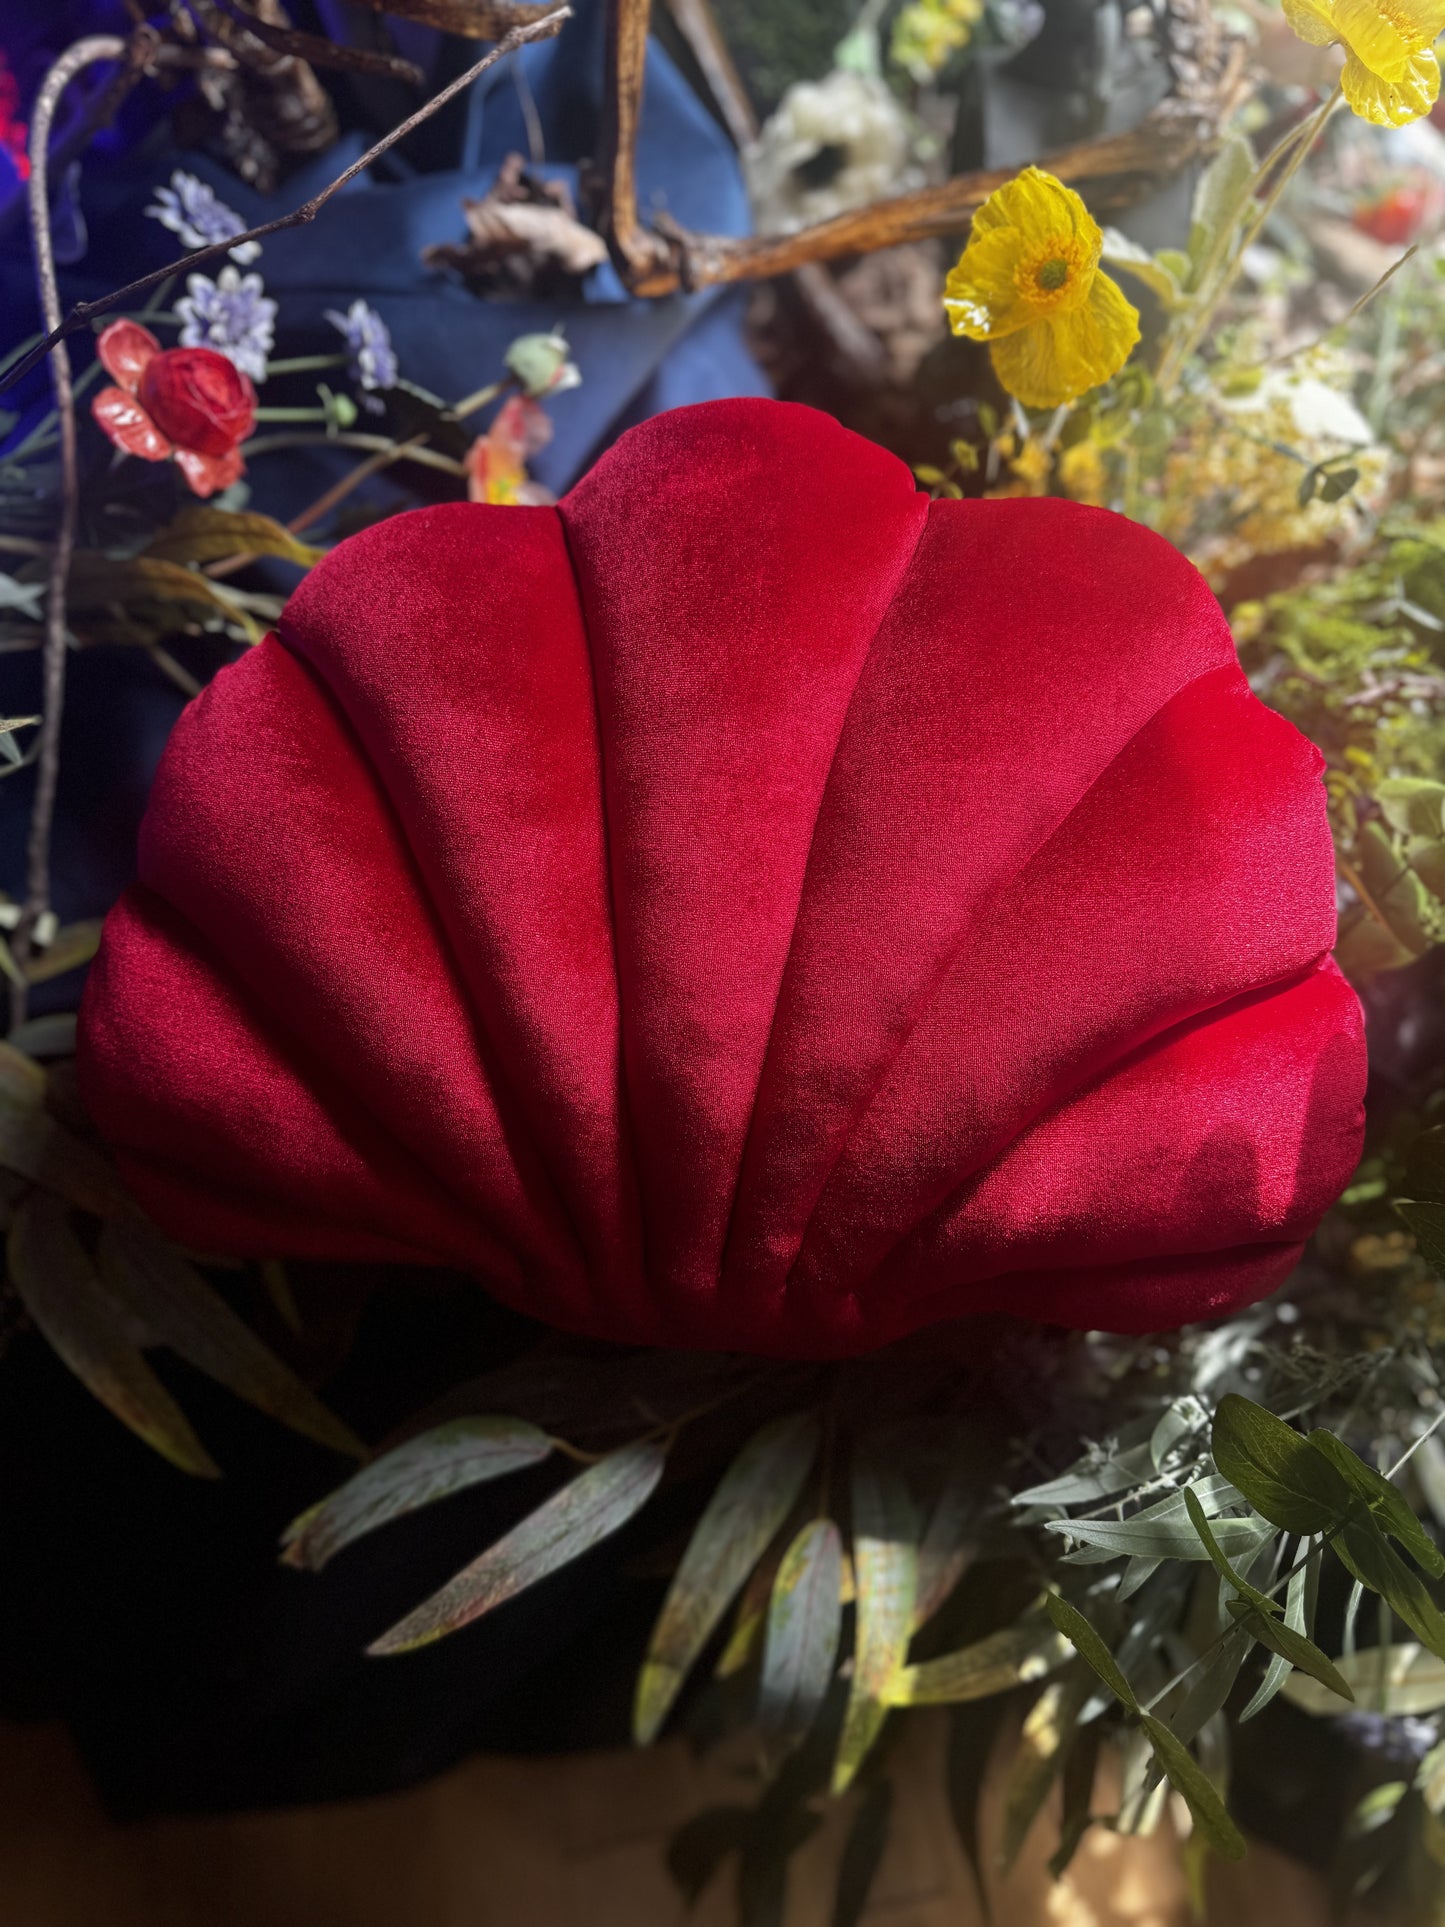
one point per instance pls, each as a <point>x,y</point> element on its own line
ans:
<point>744,905</point>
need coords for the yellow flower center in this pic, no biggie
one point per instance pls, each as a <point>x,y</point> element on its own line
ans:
<point>1048,275</point>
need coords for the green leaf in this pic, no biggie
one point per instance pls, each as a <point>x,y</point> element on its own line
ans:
<point>885,1570</point>
<point>173,1303</point>
<point>1156,274</point>
<point>1200,1522</point>
<point>1385,1501</point>
<point>1283,1476</point>
<point>1090,1479</point>
<point>1005,1659</point>
<point>200,534</point>
<point>1080,1769</point>
<point>1396,1680</point>
<point>752,1499</point>
<point>50,1036</point>
<point>72,945</point>
<point>1427,1221</point>
<point>1086,1642</point>
<point>1299,1616</point>
<point>1336,483</point>
<point>862,1854</point>
<point>576,1518</point>
<point>33,1144</point>
<point>92,1334</point>
<point>448,1459</point>
<point>1368,1556</point>
<point>946,1547</point>
<point>805,1615</point>
<point>1198,1791</point>
<point>700,1846</point>
<point>1220,200</point>
<point>1425,1166</point>
<point>1211,1684</point>
<point>1044,1742</point>
<point>1161,1532</point>
<point>1291,1646</point>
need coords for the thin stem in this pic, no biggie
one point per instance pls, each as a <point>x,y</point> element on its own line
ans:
<point>471,403</point>
<point>302,364</point>
<point>1278,361</point>
<point>84,311</point>
<point>427,457</point>
<point>1177,356</point>
<point>324,504</point>
<point>73,61</point>
<point>292,415</point>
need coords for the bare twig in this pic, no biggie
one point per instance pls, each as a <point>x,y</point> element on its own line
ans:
<point>471,19</point>
<point>644,259</point>
<point>85,311</point>
<point>319,52</point>
<point>85,53</point>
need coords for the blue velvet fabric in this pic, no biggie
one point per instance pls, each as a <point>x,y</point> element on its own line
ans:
<point>636,357</point>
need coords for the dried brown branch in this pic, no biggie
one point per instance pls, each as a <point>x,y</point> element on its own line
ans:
<point>273,103</point>
<point>471,19</point>
<point>85,53</point>
<point>85,311</point>
<point>318,52</point>
<point>645,259</point>
<point>698,26</point>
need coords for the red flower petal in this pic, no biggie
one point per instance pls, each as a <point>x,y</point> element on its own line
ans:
<point>128,425</point>
<point>209,473</point>
<point>124,349</point>
<point>968,914</point>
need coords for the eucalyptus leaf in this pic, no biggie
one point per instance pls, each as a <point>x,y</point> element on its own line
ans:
<point>752,1499</point>
<point>1281,1474</point>
<point>1198,1791</point>
<point>61,1290</point>
<point>1369,1557</point>
<point>1385,1501</point>
<point>1211,1683</point>
<point>885,1571</point>
<point>1299,1616</point>
<point>165,1293</point>
<point>805,1615</point>
<point>1398,1680</point>
<point>1090,1479</point>
<point>584,1512</point>
<point>1300,1652</point>
<point>448,1459</point>
<point>1069,1621</point>
<point>1200,1522</point>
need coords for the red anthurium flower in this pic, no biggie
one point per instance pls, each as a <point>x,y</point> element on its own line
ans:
<point>190,403</point>
<point>743,905</point>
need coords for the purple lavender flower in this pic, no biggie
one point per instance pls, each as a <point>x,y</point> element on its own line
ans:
<point>190,209</point>
<point>368,343</point>
<point>232,315</point>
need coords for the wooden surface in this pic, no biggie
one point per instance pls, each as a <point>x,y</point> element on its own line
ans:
<point>550,1843</point>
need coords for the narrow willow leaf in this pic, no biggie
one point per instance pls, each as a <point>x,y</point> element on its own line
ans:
<point>1427,1220</point>
<point>1300,1652</point>
<point>1164,1532</point>
<point>885,1572</point>
<point>1138,1572</point>
<point>60,1289</point>
<point>1086,1642</point>
<point>1090,1479</point>
<point>466,1452</point>
<point>1181,1420</point>
<point>171,1299</point>
<point>805,1615</point>
<point>946,1547</point>
<point>750,1619</point>
<point>1221,1564</point>
<point>1080,1770</point>
<point>1369,1557</point>
<point>579,1516</point>
<point>33,1144</point>
<point>753,1497</point>
<point>1212,1684</point>
<point>1385,1501</point>
<point>72,945</point>
<point>1299,1616</point>
<point>1198,1791</point>
<point>1282,1475</point>
<point>862,1854</point>
<point>199,534</point>
<point>49,1036</point>
<point>1048,1733</point>
<point>1398,1680</point>
<point>1012,1657</point>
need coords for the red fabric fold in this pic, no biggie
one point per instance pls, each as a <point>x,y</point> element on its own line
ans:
<point>743,906</point>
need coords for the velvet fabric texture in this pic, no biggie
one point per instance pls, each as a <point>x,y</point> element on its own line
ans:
<point>742,906</point>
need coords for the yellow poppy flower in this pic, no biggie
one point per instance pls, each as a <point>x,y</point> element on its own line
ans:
<point>1391,73</point>
<point>1029,284</point>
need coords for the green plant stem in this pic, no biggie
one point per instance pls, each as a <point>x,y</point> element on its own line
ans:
<point>427,457</point>
<point>471,403</point>
<point>292,415</point>
<point>300,364</point>
<point>1177,355</point>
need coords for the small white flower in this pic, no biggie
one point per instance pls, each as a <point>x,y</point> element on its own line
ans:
<point>189,208</point>
<point>232,315</point>
<point>833,144</point>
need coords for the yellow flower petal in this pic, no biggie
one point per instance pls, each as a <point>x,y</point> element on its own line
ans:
<point>1385,35</point>
<point>1392,103</point>
<point>981,294</point>
<point>1041,209</point>
<point>1312,20</point>
<point>1057,360</point>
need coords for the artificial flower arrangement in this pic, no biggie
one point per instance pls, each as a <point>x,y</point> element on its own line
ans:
<point>870,990</point>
